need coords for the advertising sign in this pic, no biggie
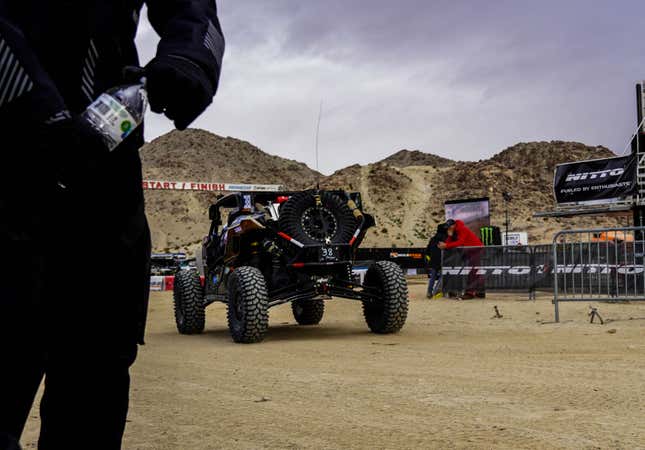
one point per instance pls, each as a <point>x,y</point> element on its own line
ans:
<point>595,180</point>
<point>475,213</point>
<point>208,187</point>
<point>515,238</point>
<point>157,283</point>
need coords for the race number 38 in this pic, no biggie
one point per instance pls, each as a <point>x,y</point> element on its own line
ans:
<point>328,254</point>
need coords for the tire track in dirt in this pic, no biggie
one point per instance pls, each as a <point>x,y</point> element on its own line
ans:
<point>416,199</point>
<point>364,189</point>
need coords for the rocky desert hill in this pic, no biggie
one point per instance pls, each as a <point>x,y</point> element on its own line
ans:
<point>407,158</point>
<point>405,192</point>
<point>408,200</point>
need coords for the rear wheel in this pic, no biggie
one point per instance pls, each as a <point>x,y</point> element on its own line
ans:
<point>188,296</point>
<point>388,313</point>
<point>308,312</point>
<point>248,305</point>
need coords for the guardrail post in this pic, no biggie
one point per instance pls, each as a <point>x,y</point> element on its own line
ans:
<point>532,274</point>
<point>555,275</point>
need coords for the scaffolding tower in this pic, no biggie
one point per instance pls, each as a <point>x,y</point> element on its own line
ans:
<point>638,149</point>
<point>633,205</point>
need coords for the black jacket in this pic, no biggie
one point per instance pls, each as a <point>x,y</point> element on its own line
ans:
<point>433,252</point>
<point>56,57</point>
<point>63,53</point>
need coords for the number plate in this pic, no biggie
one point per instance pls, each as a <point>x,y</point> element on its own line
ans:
<point>328,254</point>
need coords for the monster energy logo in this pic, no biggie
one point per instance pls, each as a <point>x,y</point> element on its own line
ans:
<point>487,235</point>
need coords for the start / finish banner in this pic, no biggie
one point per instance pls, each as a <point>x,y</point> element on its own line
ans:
<point>208,187</point>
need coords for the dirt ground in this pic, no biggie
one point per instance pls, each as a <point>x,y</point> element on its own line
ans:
<point>453,378</point>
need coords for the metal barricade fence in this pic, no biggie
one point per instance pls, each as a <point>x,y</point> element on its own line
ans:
<point>602,264</point>
<point>543,267</point>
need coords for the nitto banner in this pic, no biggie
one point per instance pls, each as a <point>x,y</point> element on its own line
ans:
<point>208,187</point>
<point>599,179</point>
<point>600,267</point>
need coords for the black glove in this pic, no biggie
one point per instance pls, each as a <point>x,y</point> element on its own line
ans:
<point>178,88</point>
<point>71,148</point>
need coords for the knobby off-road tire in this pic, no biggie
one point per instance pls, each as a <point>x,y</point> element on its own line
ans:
<point>308,312</point>
<point>294,222</point>
<point>248,305</point>
<point>188,296</point>
<point>389,314</point>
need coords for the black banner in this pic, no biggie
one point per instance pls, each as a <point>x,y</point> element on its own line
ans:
<point>497,267</point>
<point>599,268</point>
<point>594,268</point>
<point>599,179</point>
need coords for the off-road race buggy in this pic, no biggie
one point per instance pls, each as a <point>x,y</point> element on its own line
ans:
<point>280,247</point>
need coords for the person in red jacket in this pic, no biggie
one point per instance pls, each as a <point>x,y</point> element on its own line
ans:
<point>459,235</point>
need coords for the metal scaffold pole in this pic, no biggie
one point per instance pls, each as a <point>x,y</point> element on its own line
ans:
<point>638,149</point>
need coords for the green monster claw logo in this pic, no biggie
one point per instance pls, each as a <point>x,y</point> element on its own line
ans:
<point>487,235</point>
<point>126,126</point>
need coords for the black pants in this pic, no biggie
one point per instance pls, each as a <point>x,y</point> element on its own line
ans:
<point>475,283</point>
<point>72,309</point>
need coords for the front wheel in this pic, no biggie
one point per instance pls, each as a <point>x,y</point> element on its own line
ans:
<point>308,312</point>
<point>248,305</point>
<point>388,313</point>
<point>188,296</point>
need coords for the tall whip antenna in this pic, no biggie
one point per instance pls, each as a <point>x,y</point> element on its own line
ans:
<point>317,139</point>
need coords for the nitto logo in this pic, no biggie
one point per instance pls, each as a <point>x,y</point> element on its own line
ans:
<point>593,175</point>
<point>593,269</point>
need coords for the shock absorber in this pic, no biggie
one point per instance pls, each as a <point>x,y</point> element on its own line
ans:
<point>350,274</point>
<point>351,204</point>
<point>276,254</point>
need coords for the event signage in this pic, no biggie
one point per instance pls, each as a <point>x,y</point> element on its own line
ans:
<point>208,187</point>
<point>594,180</point>
<point>474,212</point>
<point>504,270</point>
<point>515,238</point>
<point>157,283</point>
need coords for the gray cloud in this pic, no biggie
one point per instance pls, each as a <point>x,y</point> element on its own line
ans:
<point>463,79</point>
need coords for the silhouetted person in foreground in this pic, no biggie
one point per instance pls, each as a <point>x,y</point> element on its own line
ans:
<point>75,241</point>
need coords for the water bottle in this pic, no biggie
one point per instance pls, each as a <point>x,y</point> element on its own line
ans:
<point>118,112</point>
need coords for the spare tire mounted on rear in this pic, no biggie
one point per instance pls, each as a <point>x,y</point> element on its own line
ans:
<point>313,219</point>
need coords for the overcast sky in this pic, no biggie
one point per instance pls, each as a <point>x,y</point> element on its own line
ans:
<point>462,79</point>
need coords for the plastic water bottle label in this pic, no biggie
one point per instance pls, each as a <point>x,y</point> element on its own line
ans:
<point>116,122</point>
